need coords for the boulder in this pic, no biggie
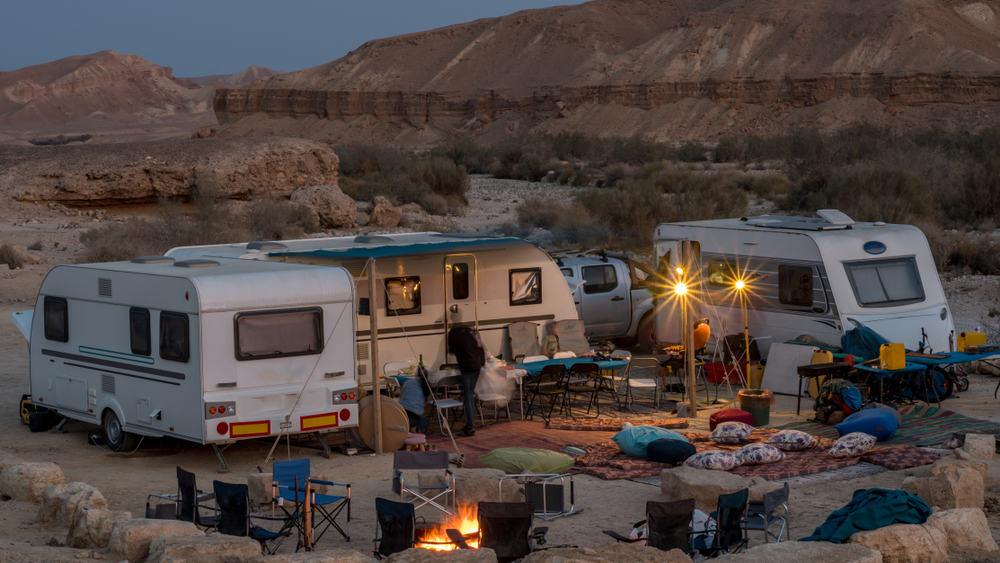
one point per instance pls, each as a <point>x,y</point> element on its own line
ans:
<point>383,214</point>
<point>457,556</point>
<point>962,454</point>
<point>59,502</point>
<point>7,556</point>
<point>26,481</point>
<point>608,553</point>
<point>805,551</point>
<point>951,464</point>
<point>91,525</point>
<point>132,538</point>
<point>980,446</point>
<point>260,487</point>
<point>985,368</point>
<point>965,528</point>
<point>332,207</point>
<point>212,548</point>
<point>7,458</point>
<point>705,486</point>
<point>331,556</point>
<point>906,543</point>
<point>954,488</point>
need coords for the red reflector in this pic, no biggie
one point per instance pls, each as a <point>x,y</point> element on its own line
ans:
<point>345,415</point>
<point>222,428</point>
<point>222,410</point>
<point>343,396</point>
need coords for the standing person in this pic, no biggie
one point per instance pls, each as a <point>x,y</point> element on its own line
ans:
<point>468,349</point>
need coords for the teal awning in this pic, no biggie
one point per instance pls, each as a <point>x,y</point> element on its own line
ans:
<point>387,250</point>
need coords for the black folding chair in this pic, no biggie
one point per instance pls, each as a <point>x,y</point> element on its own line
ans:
<point>397,523</point>
<point>235,520</point>
<point>429,495</point>
<point>186,503</point>
<point>547,384</point>
<point>667,526</point>
<point>730,536</point>
<point>505,527</point>
<point>583,378</point>
<point>760,514</point>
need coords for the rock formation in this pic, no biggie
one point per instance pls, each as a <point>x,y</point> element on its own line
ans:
<point>668,70</point>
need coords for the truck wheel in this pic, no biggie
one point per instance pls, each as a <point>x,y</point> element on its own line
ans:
<point>645,335</point>
<point>115,435</point>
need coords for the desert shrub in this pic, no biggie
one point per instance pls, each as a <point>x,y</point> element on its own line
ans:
<point>542,212</point>
<point>869,192</point>
<point>729,149</point>
<point>272,219</point>
<point>357,160</point>
<point>530,167</point>
<point>126,240</point>
<point>635,151</point>
<point>769,185</point>
<point>979,196</point>
<point>11,257</point>
<point>37,245</point>
<point>60,140</point>
<point>443,177</point>
<point>963,252</point>
<point>615,173</point>
<point>581,178</point>
<point>566,175</point>
<point>692,152</point>
<point>466,152</point>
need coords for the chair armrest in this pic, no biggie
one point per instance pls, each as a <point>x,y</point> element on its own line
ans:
<point>277,518</point>
<point>328,483</point>
<point>622,538</point>
<point>164,497</point>
<point>207,496</point>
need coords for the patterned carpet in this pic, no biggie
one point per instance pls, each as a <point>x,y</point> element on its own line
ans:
<point>518,433</point>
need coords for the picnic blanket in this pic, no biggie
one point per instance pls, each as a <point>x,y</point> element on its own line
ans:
<point>517,433</point>
<point>612,424</point>
<point>922,426</point>
<point>871,509</point>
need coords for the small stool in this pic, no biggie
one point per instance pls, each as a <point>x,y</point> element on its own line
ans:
<point>415,442</point>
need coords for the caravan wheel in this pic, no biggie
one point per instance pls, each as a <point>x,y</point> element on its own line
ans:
<point>115,435</point>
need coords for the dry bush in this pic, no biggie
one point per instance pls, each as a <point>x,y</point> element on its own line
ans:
<point>123,241</point>
<point>443,177</point>
<point>11,257</point>
<point>358,160</point>
<point>542,212</point>
<point>963,252</point>
<point>273,219</point>
<point>979,196</point>
<point>37,245</point>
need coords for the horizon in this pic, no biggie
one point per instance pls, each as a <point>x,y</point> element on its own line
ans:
<point>38,33</point>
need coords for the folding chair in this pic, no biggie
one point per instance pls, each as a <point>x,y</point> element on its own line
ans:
<point>612,380</point>
<point>446,405</point>
<point>235,520</point>
<point>506,528</point>
<point>523,337</point>
<point>760,514</point>
<point>573,336</point>
<point>393,372</point>
<point>397,522</point>
<point>667,526</point>
<point>547,384</point>
<point>730,536</point>
<point>582,378</point>
<point>423,461</point>
<point>291,480</point>
<point>631,382</point>
<point>186,503</point>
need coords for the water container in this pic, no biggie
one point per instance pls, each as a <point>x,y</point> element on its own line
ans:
<point>966,339</point>
<point>892,356</point>
<point>819,357</point>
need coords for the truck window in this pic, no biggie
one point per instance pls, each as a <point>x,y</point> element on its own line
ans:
<point>795,285</point>
<point>525,286</point>
<point>175,339</point>
<point>138,331</point>
<point>402,296</point>
<point>568,272</point>
<point>885,283</point>
<point>599,279</point>
<point>460,281</point>
<point>56,319</point>
<point>270,334</point>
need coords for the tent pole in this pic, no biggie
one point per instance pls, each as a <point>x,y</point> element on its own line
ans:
<point>376,372</point>
<point>689,331</point>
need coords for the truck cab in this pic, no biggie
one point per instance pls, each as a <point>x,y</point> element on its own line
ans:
<point>611,295</point>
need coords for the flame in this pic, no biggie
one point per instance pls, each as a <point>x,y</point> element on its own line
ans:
<point>464,521</point>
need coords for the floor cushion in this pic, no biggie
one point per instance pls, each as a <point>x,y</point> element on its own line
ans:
<point>713,459</point>
<point>731,433</point>
<point>759,454</point>
<point>853,445</point>
<point>874,422</point>
<point>887,408</point>
<point>635,439</point>
<point>669,451</point>
<point>792,440</point>
<point>729,415</point>
<point>513,461</point>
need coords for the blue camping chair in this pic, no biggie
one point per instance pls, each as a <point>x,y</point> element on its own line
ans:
<point>290,481</point>
<point>234,518</point>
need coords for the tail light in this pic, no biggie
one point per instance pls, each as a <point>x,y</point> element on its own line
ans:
<point>342,397</point>
<point>220,409</point>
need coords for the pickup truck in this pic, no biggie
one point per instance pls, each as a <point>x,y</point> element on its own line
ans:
<point>613,299</point>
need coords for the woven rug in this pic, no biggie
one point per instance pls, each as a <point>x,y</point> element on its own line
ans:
<point>899,457</point>
<point>518,433</point>
<point>922,426</point>
<point>613,424</point>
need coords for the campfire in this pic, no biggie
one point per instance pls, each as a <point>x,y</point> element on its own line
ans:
<point>436,537</point>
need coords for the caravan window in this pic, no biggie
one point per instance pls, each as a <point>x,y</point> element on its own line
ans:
<point>402,296</point>
<point>885,283</point>
<point>599,279</point>
<point>525,286</point>
<point>270,334</point>
<point>795,285</point>
<point>175,339</point>
<point>56,319</point>
<point>460,281</point>
<point>721,274</point>
<point>138,331</point>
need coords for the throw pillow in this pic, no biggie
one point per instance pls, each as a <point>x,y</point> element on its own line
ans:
<point>713,459</point>
<point>669,451</point>
<point>792,440</point>
<point>759,454</point>
<point>853,445</point>
<point>731,433</point>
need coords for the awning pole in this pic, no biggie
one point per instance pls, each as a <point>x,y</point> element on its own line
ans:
<point>376,371</point>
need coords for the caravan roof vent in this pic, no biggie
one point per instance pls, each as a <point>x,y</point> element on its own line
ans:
<point>266,245</point>
<point>373,239</point>
<point>152,260</point>
<point>835,217</point>
<point>196,263</point>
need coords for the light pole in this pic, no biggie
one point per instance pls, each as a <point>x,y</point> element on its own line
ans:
<point>741,289</point>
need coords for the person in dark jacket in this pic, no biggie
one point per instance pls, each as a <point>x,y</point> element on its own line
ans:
<point>468,349</point>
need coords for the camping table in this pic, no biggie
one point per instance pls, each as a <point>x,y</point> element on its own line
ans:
<point>534,369</point>
<point>818,370</point>
<point>956,358</point>
<point>883,374</point>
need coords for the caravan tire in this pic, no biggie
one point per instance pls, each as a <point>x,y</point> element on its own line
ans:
<point>115,435</point>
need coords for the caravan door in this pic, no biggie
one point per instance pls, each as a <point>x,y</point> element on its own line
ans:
<point>461,291</point>
<point>670,270</point>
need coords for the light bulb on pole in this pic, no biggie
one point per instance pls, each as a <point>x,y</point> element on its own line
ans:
<point>741,287</point>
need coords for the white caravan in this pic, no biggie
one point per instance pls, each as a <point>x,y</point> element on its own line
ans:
<point>431,282</point>
<point>211,351</point>
<point>814,276</point>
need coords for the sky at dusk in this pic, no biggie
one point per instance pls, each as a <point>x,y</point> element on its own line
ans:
<point>199,37</point>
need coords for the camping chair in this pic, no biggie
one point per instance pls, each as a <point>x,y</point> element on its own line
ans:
<point>760,514</point>
<point>446,405</point>
<point>186,503</point>
<point>523,337</point>
<point>292,479</point>
<point>573,337</point>
<point>505,527</point>
<point>547,384</point>
<point>422,461</point>
<point>611,380</point>
<point>234,517</point>
<point>631,382</point>
<point>667,526</point>
<point>730,536</point>
<point>394,377</point>
<point>397,523</point>
<point>582,378</point>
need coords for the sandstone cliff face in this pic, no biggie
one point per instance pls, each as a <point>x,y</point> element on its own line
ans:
<point>561,68</point>
<point>136,173</point>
